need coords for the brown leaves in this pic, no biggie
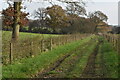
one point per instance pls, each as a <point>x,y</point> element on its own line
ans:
<point>9,11</point>
<point>9,15</point>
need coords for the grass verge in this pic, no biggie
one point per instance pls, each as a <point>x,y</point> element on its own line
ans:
<point>107,61</point>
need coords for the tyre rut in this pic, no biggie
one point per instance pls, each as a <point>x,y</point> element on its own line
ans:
<point>58,63</point>
<point>72,62</point>
<point>89,71</point>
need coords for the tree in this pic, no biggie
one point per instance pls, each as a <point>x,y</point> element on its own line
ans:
<point>33,25</point>
<point>15,18</point>
<point>57,17</point>
<point>75,8</point>
<point>97,17</point>
<point>80,24</point>
<point>41,15</point>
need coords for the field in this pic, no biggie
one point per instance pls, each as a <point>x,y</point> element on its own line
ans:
<point>90,56</point>
<point>24,35</point>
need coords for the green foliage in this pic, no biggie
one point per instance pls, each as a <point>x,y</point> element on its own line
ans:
<point>57,17</point>
<point>79,25</point>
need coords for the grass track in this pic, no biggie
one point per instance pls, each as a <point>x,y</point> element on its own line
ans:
<point>82,61</point>
<point>110,60</point>
<point>72,66</point>
<point>95,63</point>
<point>106,62</point>
<point>74,63</point>
<point>28,67</point>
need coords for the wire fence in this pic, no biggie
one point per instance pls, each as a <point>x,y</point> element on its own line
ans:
<point>34,46</point>
<point>114,39</point>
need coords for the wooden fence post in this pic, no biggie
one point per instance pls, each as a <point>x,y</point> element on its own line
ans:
<point>115,40</point>
<point>59,41</point>
<point>42,45</point>
<point>31,49</point>
<point>118,44</point>
<point>50,43</point>
<point>66,39</point>
<point>75,38</point>
<point>11,52</point>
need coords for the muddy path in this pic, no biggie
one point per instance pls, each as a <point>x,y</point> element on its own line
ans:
<point>86,61</point>
<point>62,69</point>
<point>54,66</point>
<point>89,70</point>
<point>101,68</point>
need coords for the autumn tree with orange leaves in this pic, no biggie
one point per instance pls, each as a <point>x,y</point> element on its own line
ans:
<point>15,18</point>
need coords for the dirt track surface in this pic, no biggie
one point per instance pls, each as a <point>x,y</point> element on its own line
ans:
<point>58,67</point>
<point>65,67</point>
<point>89,71</point>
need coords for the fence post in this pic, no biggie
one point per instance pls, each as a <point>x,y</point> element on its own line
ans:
<point>11,52</point>
<point>42,45</point>
<point>59,41</point>
<point>31,49</point>
<point>50,43</point>
<point>114,41</point>
<point>75,37</point>
<point>118,44</point>
<point>66,39</point>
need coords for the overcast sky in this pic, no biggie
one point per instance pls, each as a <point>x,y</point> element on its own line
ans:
<point>109,7</point>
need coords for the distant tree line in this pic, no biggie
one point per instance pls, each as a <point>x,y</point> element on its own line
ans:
<point>59,21</point>
<point>115,30</point>
<point>56,20</point>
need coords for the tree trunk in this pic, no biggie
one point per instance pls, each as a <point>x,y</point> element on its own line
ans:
<point>16,25</point>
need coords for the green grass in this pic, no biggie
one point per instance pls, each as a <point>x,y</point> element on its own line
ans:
<point>80,65</point>
<point>73,66</point>
<point>110,58</point>
<point>107,60</point>
<point>70,67</point>
<point>23,35</point>
<point>30,66</point>
<point>98,63</point>
<point>24,38</point>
